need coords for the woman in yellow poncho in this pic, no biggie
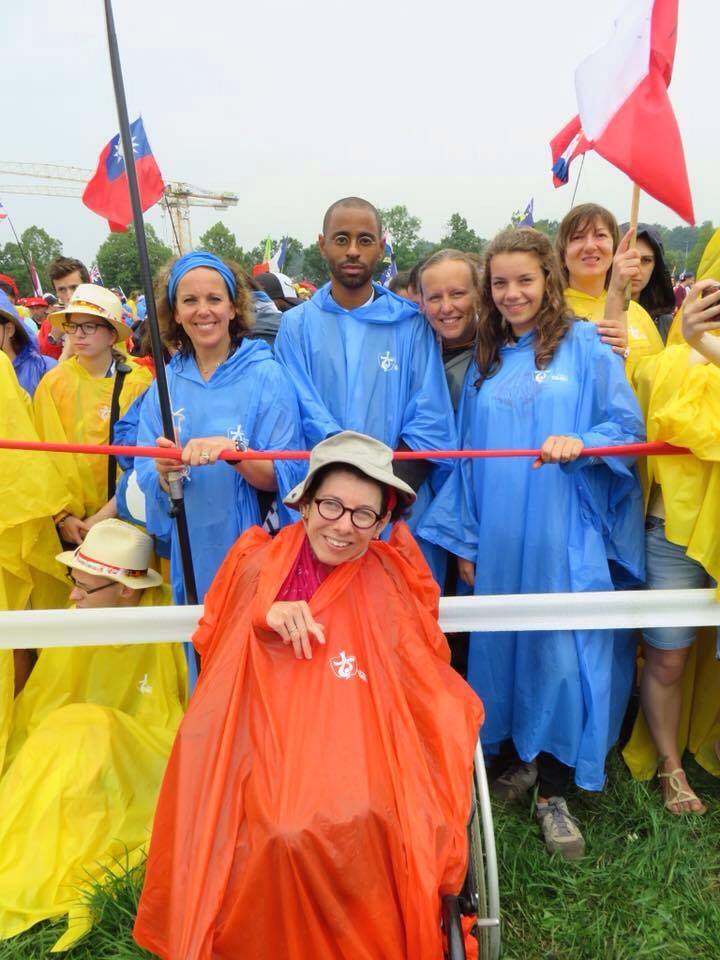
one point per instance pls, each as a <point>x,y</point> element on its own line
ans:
<point>680,701</point>
<point>74,402</point>
<point>598,267</point>
<point>31,492</point>
<point>91,734</point>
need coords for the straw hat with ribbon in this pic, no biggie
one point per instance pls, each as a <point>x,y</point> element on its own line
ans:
<point>95,302</point>
<point>116,550</point>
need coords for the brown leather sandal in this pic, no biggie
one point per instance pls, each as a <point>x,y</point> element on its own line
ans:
<point>680,794</point>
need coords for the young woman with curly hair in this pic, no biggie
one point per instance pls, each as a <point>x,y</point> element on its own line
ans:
<point>541,379</point>
<point>227,393</point>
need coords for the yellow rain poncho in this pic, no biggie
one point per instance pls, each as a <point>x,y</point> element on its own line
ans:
<point>709,269</point>
<point>73,407</point>
<point>92,731</point>
<point>683,408</point>
<point>31,492</point>
<point>643,337</point>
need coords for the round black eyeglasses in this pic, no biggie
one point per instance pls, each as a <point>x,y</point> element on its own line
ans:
<point>362,517</point>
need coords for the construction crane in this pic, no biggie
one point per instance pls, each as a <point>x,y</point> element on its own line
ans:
<point>178,199</point>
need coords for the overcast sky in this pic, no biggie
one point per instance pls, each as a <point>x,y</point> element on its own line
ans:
<point>444,106</point>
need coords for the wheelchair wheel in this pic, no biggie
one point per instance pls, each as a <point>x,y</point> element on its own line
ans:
<point>452,926</point>
<point>480,897</point>
<point>480,894</point>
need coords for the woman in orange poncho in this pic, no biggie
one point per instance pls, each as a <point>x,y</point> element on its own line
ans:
<point>315,804</point>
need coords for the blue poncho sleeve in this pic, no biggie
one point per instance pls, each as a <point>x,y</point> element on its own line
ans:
<point>158,520</point>
<point>429,419</point>
<point>450,521</point>
<point>279,428</point>
<point>608,415</point>
<point>316,420</point>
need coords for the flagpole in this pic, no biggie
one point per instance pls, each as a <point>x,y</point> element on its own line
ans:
<point>634,215</point>
<point>21,249</point>
<point>176,486</point>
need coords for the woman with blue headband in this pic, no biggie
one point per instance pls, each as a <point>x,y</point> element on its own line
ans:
<point>227,393</point>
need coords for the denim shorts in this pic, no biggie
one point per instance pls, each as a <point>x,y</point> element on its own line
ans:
<point>670,568</point>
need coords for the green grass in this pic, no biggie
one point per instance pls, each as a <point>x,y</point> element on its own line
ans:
<point>649,886</point>
<point>113,905</point>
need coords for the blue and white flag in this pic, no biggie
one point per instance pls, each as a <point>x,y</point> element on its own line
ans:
<point>277,261</point>
<point>389,259</point>
<point>527,219</point>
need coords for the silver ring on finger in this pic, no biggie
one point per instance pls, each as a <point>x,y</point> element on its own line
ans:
<point>204,456</point>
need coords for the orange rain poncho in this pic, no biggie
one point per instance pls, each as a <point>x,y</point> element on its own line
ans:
<point>315,809</point>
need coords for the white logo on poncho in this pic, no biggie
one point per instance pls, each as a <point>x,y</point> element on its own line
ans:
<point>345,667</point>
<point>387,362</point>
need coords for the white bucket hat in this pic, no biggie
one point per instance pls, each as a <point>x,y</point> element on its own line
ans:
<point>116,550</point>
<point>92,300</point>
<point>357,450</point>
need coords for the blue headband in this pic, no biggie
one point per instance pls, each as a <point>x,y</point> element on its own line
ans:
<point>199,258</point>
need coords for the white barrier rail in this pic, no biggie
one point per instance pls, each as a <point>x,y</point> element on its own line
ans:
<point>35,629</point>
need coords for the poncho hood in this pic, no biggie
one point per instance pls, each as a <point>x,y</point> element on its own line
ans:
<point>386,308</point>
<point>248,353</point>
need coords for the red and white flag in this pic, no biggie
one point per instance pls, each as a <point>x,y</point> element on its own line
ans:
<point>624,111</point>
<point>37,286</point>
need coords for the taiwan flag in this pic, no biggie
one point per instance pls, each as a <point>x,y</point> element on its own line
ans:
<point>108,193</point>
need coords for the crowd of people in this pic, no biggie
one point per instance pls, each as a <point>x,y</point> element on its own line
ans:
<point>557,346</point>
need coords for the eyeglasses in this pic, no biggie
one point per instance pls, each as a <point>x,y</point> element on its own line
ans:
<point>86,328</point>
<point>362,517</point>
<point>79,586</point>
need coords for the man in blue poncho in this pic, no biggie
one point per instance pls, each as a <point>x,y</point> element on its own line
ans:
<point>364,359</point>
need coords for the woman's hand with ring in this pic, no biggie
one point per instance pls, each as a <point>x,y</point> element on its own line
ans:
<point>295,624</point>
<point>614,332</point>
<point>203,450</point>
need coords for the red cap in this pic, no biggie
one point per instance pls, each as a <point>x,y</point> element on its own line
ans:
<point>4,278</point>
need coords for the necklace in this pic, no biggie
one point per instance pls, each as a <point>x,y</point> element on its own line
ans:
<point>207,370</point>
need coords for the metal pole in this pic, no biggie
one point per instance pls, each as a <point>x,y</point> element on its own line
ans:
<point>176,489</point>
<point>22,250</point>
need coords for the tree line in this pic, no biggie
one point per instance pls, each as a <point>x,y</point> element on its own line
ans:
<point>117,261</point>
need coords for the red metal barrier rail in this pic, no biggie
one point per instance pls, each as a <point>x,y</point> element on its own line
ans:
<point>655,449</point>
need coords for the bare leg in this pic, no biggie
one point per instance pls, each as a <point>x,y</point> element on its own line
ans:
<point>23,662</point>
<point>661,698</point>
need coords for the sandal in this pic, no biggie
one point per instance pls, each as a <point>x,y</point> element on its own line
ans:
<point>680,794</point>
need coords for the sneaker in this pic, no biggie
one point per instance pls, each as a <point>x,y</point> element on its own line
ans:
<point>559,829</point>
<point>515,782</point>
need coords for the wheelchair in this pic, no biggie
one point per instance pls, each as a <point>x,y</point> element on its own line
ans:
<point>479,897</point>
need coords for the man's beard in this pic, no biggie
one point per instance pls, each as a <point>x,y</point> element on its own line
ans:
<point>351,282</point>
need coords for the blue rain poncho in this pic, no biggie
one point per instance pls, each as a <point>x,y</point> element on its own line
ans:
<point>376,369</point>
<point>247,398</point>
<point>129,498</point>
<point>563,528</point>
<point>31,366</point>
